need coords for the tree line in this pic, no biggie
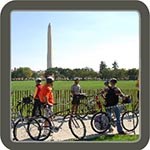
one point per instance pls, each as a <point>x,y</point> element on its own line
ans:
<point>104,73</point>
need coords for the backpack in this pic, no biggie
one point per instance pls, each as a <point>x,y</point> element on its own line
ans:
<point>111,97</point>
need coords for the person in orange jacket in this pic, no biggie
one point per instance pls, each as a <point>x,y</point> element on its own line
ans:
<point>47,98</point>
<point>46,93</point>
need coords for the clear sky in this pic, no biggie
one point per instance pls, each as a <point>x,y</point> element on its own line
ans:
<point>79,39</point>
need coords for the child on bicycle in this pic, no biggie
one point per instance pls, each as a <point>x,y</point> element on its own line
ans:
<point>111,95</point>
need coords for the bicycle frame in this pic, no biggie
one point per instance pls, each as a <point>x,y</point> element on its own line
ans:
<point>122,108</point>
<point>53,116</point>
<point>94,101</point>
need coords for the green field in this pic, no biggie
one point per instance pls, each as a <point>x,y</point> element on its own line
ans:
<point>65,85</point>
<point>116,137</point>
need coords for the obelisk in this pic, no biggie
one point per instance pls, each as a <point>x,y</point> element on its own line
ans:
<point>49,48</point>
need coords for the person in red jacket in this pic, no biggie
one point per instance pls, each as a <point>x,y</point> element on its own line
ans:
<point>37,104</point>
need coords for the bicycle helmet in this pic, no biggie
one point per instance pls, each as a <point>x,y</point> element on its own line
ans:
<point>38,80</point>
<point>49,79</point>
<point>113,80</point>
<point>76,78</point>
<point>106,83</point>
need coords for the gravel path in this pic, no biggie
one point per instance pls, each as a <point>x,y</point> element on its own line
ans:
<point>65,134</point>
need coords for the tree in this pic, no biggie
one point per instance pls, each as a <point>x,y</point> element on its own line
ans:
<point>115,65</point>
<point>34,74</point>
<point>27,72</point>
<point>22,72</point>
<point>106,73</point>
<point>133,74</point>
<point>102,67</point>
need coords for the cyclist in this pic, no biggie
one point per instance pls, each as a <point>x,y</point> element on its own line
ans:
<point>37,103</point>
<point>46,97</point>
<point>77,95</point>
<point>111,95</point>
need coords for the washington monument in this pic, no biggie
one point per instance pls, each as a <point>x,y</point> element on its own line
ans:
<point>49,48</point>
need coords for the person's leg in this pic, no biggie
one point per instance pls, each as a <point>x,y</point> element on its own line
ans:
<point>47,111</point>
<point>117,114</point>
<point>34,108</point>
<point>108,111</point>
<point>39,107</point>
<point>74,105</point>
<point>73,109</point>
<point>76,109</point>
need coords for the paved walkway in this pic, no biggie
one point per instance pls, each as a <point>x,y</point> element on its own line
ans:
<point>65,134</point>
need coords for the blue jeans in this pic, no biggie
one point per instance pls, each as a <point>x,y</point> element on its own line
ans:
<point>116,110</point>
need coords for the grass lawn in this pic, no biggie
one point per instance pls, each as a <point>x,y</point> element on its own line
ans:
<point>59,85</point>
<point>116,137</point>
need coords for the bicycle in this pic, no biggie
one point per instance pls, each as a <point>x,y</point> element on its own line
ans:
<point>55,122</point>
<point>90,106</point>
<point>23,108</point>
<point>102,121</point>
<point>22,117</point>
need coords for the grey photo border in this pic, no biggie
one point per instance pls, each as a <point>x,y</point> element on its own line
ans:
<point>73,5</point>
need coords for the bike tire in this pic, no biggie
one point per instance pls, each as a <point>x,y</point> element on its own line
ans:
<point>19,130</point>
<point>100,122</point>
<point>129,121</point>
<point>82,110</point>
<point>33,129</point>
<point>77,127</point>
<point>41,130</point>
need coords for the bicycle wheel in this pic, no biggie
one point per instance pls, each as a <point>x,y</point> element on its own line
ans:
<point>100,122</point>
<point>77,127</point>
<point>129,120</point>
<point>34,129</point>
<point>42,132</point>
<point>20,130</point>
<point>26,110</point>
<point>82,110</point>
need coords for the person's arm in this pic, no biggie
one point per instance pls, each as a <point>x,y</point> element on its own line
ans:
<point>72,90</point>
<point>120,93</point>
<point>103,92</point>
<point>50,98</point>
<point>35,92</point>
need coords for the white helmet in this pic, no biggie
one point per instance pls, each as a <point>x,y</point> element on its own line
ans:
<point>76,78</point>
<point>49,79</point>
<point>38,80</point>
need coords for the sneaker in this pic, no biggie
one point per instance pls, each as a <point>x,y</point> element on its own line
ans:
<point>122,132</point>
